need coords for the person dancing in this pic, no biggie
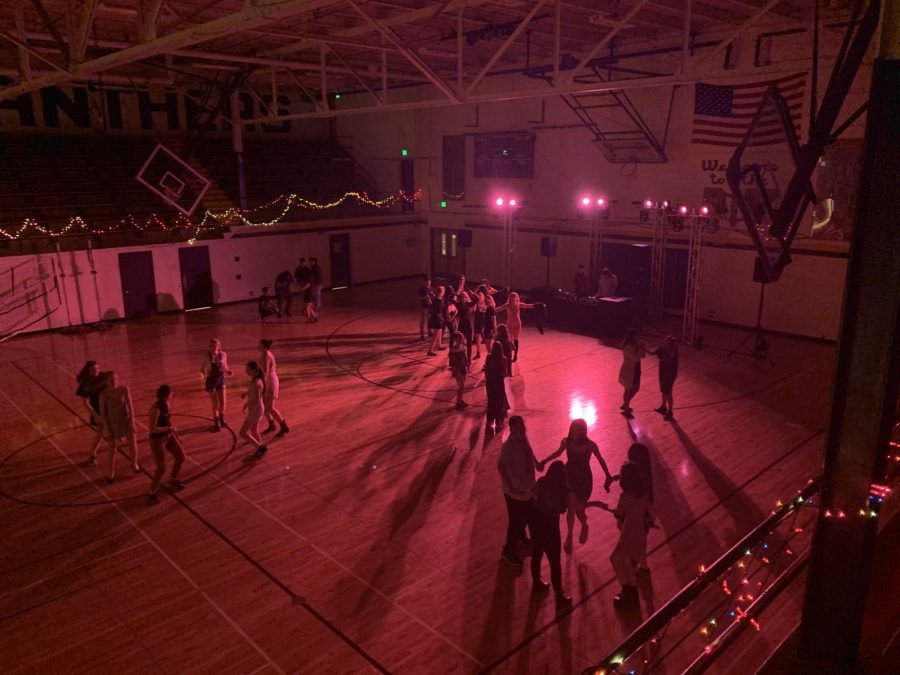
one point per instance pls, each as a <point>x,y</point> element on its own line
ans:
<point>214,368</point>
<point>117,412</point>
<point>478,323</point>
<point>632,513</point>
<point>436,320</point>
<point>272,387</point>
<point>633,350</point>
<point>550,502</point>
<point>164,438</point>
<point>495,372</point>
<point>508,349</point>
<point>255,409</point>
<point>91,383</point>
<point>668,372</point>
<point>514,307</point>
<point>465,304</point>
<point>639,455</point>
<point>459,366</point>
<point>579,449</point>
<point>490,323</point>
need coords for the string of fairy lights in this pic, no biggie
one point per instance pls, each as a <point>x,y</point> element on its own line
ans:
<point>750,576</point>
<point>211,221</point>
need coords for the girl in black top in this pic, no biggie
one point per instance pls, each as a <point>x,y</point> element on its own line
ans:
<point>436,320</point>
<point>504,339</point>
<point>163,438</point>
<point>668,372</point>
<point>466,304</point>
<point>551,501</point>
<point>490,323</point>
<point>478,322</point>
<point>91,383</point>
<point>495,371</point>
<point>459,366</point>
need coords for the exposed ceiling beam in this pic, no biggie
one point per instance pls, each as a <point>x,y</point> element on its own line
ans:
<point>364,29</point>
<point>546,92</point>
<point>259,13</point>
<point>54,31</point>
<point>391,36</point>
<point>84,21</point>
<point>148,15</point>
<point>501,50</point>
<point>623,23</point>
<point>724,44</point>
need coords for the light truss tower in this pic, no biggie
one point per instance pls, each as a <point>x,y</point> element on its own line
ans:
<point>657,262</point>
<point>696,225</point>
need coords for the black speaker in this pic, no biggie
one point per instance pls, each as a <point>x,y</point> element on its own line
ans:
<point>464,238</point>
<point>548,247</point>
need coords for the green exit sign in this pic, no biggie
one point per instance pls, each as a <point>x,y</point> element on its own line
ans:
<point>404,152</point>
<point>443,205</point>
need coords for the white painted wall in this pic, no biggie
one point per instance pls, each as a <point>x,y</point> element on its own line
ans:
<point>385,251</point>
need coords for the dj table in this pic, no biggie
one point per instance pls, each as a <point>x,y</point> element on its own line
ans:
<point>608,317</point>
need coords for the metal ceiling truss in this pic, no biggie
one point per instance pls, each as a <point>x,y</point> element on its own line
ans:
<point>373,51</point>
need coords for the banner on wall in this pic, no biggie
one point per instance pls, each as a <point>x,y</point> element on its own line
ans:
<point>92,107</point>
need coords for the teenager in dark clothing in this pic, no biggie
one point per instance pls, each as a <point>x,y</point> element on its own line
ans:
<point>668,372</point>
<point>266,305</point>
<point>426,295</point>
<point>459,366</point>
<point>478,312</point>
<point>507,344</point>
<point>551,501</point>
<point>495,372</point>
<point>303,274</point>
<point>283,293</point>
<point>315,279</point>
<point>465,304</point>
<point>436,320</point>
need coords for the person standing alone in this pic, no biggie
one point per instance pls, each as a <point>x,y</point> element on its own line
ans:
<point>315,278</point>
<point>517,466</point>
<point>426,295</point>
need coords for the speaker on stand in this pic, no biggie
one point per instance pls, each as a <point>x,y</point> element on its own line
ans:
<point>548,250</point>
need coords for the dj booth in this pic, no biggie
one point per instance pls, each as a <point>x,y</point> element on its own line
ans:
<point>597,317</point>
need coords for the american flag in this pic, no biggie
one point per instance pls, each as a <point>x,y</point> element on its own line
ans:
<point>722,114</point>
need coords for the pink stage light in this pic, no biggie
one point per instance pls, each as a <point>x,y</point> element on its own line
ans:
<point>601,201</point>
<point>499,201</point>
<point>704,210</point>
<point>665,205</point>
<point>648,204</point>
<point>512,202</point>
<point>683,210</point>
<point>586,201</point>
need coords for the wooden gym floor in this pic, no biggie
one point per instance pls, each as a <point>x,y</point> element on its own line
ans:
<point>369,537</point>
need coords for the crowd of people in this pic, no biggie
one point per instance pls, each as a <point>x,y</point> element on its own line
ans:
<point>111,412</point>
<point>307,278</point>
<point>535,505</point>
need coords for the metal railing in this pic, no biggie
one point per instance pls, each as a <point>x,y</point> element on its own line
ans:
<point>641,651</point>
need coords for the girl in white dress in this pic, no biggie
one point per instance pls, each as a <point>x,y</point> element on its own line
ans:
<point>632,513</point>
<point>513,309</point>
<point>255,409</point>
<point>270,379</point>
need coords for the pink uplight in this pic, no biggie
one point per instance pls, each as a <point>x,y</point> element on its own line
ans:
<point>648,204</point>
<point>683,210</point>
<point>512,202</point>
<point>601,201</point>
<point>704,210</point>
<point>586,201</point>
<point>499,201</point>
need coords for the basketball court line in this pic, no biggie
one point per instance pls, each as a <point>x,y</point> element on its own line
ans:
<point>284,526</point>
<point>240,631</point>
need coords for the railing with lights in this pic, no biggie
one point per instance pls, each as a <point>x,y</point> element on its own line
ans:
<point>743,579</point>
